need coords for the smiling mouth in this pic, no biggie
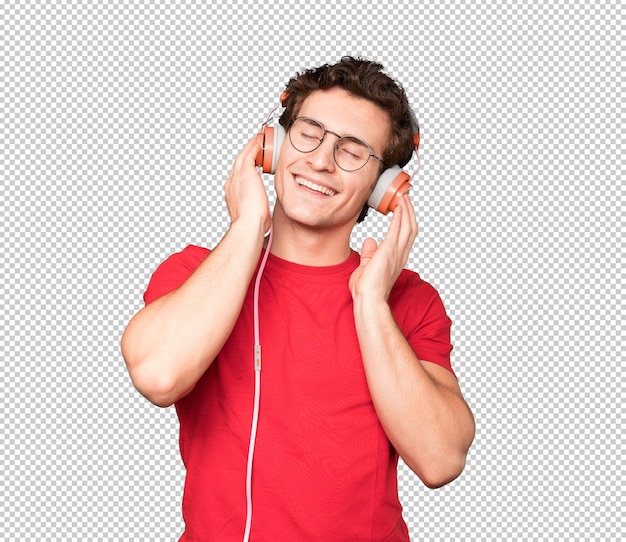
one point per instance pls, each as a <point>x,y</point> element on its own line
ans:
<point>315,187</point>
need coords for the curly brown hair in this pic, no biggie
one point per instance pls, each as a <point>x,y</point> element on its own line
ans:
<point>364,79</point>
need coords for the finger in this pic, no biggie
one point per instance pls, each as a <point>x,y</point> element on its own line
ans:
<point>407,232</point>
<point>394,226</point>
<point>247,157</point>
<point>251,148</point>
<point>411,213</point>
<point>244,182</point>
<point>367,250</point>
<point>408,228</point>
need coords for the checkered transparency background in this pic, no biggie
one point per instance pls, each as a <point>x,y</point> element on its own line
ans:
<point>118,125</point>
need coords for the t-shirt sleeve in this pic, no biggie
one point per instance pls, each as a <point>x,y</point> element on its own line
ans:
<point>174,271</point>
<point>423,319</point>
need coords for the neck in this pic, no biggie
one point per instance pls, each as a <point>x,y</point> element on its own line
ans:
<point>306,245</point>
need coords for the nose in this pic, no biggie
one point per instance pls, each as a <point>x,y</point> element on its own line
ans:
<point>323,158</point>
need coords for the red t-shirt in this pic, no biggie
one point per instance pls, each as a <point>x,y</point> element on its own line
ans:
<point>324,469</point>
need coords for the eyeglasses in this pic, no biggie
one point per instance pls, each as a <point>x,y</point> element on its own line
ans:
<point>350,153</point>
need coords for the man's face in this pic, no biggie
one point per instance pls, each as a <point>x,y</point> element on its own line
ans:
<point>311,189</point>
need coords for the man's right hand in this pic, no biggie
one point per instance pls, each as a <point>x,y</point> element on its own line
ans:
<point>244,191</point>
<point>171,342</point>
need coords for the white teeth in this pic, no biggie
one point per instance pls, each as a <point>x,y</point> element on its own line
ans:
<point>316,187</point>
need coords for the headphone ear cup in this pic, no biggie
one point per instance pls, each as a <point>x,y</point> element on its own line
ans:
<point>392,184</point>
<point>270,140</point>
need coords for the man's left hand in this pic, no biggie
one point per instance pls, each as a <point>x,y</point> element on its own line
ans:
<point>382,263</point>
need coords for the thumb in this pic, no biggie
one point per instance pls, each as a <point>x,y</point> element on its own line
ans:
<point>367,250</point>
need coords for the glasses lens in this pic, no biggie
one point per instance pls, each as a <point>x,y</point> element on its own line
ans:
<point>351,154</point>
<point>306,134</point>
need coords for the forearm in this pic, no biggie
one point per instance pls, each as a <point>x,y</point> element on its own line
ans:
<point>171,342</point>
<point>421,408</point>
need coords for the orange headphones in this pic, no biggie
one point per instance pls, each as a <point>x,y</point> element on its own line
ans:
<point>391,185</point>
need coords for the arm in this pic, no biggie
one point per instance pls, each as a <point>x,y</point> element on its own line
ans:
<point>419,404</point>
<point>171,342</point>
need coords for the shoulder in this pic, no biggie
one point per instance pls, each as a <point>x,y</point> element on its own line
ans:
<point>190,257</point>
<point>409,282</point>
<point>174,271</point>
<point>414,300</point>
<point>421,315</point>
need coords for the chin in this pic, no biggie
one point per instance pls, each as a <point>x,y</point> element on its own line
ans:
<point>320,221</point>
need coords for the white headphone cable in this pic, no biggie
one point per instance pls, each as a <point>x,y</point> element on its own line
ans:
<point>257,390</point>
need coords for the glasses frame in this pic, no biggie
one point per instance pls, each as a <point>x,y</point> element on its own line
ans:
<point>339,138</point>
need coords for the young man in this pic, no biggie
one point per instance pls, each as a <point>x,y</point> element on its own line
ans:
<point>356,350</point>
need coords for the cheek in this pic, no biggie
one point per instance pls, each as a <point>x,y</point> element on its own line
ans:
<point>283,160</point>
<point>278,182</point>
<point>372,184</point>
<point>285,153</point>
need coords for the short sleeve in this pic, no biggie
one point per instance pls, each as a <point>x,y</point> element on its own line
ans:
<point>174,271</point>
<point>420,313</point>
